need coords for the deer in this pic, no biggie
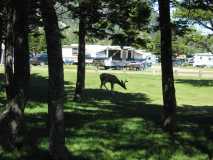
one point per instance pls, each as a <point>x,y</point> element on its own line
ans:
<point>112,79</point>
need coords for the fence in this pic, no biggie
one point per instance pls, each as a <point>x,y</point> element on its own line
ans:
<point>200,73</point>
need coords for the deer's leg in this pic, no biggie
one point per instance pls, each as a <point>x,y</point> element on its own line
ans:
<point>105,86</point>
<point>101,85</point>
<point>112,86</point>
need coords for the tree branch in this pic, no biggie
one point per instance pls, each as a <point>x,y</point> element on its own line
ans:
<point>204,25</point>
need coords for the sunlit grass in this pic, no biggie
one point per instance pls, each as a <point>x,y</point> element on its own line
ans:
<point>124,125</point>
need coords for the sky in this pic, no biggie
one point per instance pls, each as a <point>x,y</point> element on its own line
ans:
<point>198,27</point>
<point>203,30</point>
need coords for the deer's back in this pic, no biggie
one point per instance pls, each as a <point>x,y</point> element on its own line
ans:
<point>106,77</point>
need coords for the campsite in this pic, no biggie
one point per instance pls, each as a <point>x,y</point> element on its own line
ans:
<point>106,80</point>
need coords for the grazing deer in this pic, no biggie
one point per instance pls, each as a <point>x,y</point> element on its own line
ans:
<point>112,79</point>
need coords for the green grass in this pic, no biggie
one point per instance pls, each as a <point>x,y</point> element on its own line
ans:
<point>123,125</point>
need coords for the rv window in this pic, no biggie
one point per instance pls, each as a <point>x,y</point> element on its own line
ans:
<point>201,57</point>
<point>129,56</point>
<point>75,51</point>
<point>115,54</point>
<point>210,59</point>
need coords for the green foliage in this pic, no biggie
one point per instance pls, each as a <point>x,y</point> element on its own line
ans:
<point>37,41</point>
<point>188,43</point>
<point>127,20</point>
<point>197,11</point>
<point>116,21</point>
<point>70,35</point>
<point>194,14</point>
<point>192,42</point>
<point>153,43</point>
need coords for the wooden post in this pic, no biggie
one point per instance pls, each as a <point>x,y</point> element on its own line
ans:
<point>199,74</point>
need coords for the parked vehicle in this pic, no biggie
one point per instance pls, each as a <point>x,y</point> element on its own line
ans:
<point>203,60</point>
<point>190,61</point>
<point>68,61</point>
<point>179,62</point>
<point>115,64</point>
<point>40,59</point>
<point>136,65</point>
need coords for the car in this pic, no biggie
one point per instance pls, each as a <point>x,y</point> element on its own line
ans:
<point>136,65</point>
<point>190,61</point>
<point>179,62</point>
<point>68,61</point>
<point>41,59</point>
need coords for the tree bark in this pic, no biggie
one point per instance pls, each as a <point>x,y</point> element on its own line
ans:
<point>57,148</point>
<point>80,83</point>
<point>169,99</point>
<point>21,50</point>
<point>9,42</point>
<point>1,37</point>
<point>21,66</point>
<point>17,82</point>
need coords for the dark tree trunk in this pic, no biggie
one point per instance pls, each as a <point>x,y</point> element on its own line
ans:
<point>6,136</point>
<point>17,82</point>
<point>80,84</point>
<point>1,37</point>
<point>21,64</point>
<point>9,43</point>
<point>21,50</point>
<point>57,148</point>
<point>169,99</point>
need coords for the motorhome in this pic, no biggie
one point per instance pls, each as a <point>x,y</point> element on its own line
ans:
<point>108,56</point>
<point>70,52</point>
<point>203,60</point>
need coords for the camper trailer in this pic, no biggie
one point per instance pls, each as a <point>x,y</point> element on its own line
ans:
<point>117,57</point>
<point>69,55</point>
<point>109,56</point>
<point>203,60</point>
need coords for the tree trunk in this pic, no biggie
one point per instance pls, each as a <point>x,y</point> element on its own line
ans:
<point>21,64</point>
<point>9,42</point>
<point>80,84</point>
<point>1,38</point>
<point>57,148</point>
<point>169,99</point>
<point>17,82</point>
<point>21,50</point>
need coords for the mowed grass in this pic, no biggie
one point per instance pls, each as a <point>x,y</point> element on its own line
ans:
<point>121,125</point>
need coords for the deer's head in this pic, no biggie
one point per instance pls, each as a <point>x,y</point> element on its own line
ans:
<point>123,84</point>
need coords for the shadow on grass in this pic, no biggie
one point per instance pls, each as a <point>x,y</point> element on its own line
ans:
<point>198,121</point>
<point>196,83</point>
<point>125,126</point>
<point>118,126</point>
<point>39,88</point>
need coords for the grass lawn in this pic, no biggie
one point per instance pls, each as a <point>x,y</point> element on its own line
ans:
<point>123,125</point>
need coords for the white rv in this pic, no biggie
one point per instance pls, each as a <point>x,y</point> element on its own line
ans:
<point>108,56</point>
<point>203,60</point>
<point>70,53</point>
<point>147,56</point>
<point>68,56</point>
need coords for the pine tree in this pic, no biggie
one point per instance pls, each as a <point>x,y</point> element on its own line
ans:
<point>57,148</point>
<point>169,99</point>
